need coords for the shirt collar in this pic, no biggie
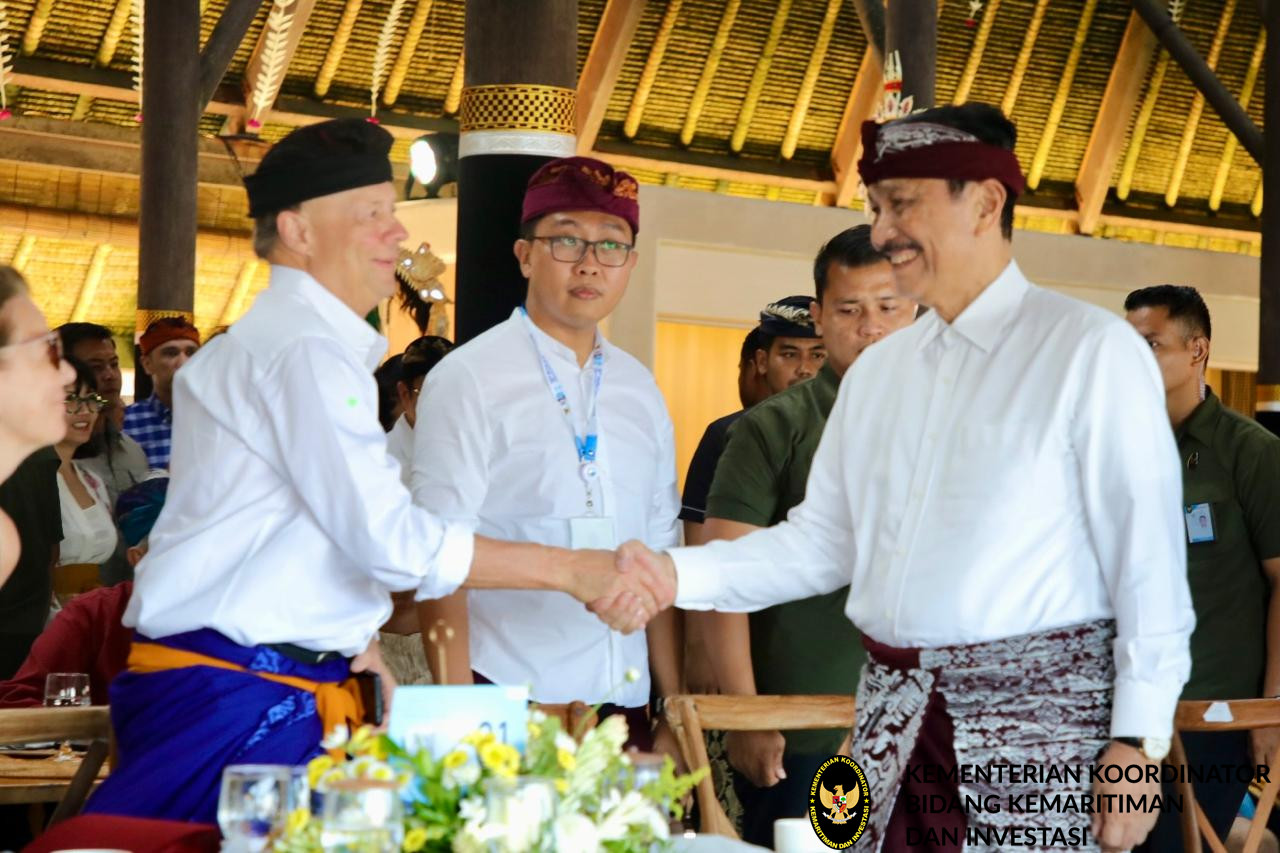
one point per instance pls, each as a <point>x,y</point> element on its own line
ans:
<point>157,405</point>
<point>827,376</point>
<point>987,316</point>
<point>350,328</point>
<point>548,344</point>
<point>1203,418</point>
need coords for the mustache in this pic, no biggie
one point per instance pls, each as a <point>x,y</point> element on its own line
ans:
<point>898,246</point>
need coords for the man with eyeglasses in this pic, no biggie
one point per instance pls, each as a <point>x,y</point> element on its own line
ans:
<point>542,430</point>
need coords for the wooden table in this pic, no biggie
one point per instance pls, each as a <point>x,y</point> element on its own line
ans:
<point>38,779</point>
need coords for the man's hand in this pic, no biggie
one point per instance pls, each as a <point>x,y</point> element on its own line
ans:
<point>1118,831</point>
<point>757,756</point>
<point>370,660</point>
<point>649,580</point>
<point>624,596</point>
<point>1265,742</point>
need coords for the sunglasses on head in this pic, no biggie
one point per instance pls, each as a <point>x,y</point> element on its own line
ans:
<point>52,340</point>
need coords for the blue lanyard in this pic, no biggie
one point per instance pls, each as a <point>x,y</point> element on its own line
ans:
<point>586,445</point>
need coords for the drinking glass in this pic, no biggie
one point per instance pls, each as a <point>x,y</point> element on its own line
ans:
<point>65,690</point>
<point>253,805</point>
<point>362,816</point>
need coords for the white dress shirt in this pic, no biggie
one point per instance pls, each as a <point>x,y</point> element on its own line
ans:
<point>285,520</point>
<point>1008,473</point>
<point>400,447</point>
<point>499,455</point>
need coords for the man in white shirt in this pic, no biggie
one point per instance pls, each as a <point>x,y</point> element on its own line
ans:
<point>544,431</point>
<point>1009,521</point>
<point>285,526</point>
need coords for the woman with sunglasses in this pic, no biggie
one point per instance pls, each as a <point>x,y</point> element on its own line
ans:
<point>32,380</point>
<point>89,534</point>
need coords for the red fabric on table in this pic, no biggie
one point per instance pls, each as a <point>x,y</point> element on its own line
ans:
<point>86,636</point>
<point>128,833</point>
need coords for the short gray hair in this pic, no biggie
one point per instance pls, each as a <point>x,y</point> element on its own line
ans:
<point>265,232</point>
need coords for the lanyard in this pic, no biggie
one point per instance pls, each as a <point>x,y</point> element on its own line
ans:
<point>587,444</point>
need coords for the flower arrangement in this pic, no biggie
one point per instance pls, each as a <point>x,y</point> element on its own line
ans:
<point>483,796</point>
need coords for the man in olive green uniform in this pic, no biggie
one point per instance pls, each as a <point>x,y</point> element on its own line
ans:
<point>1231,500</point>
<point>806,646</point>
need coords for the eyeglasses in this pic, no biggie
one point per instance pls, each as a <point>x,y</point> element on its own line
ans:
<point>52,340</point>
<point>571,250</point>
<point>89,403</point>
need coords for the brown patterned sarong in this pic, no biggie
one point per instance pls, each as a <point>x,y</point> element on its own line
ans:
<point>1035,700</point>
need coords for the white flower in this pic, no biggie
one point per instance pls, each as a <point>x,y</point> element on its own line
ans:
<point>471,809</point>
<point>462,777</point>
<point>565,742</point>
<point>337,738</point>
<point>632,810</point>
<point>575,833</point>
<point>536,716</point>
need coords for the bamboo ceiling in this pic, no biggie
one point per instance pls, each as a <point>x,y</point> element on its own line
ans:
<point>744,97</point>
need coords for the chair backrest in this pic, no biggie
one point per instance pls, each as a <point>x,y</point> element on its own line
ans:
<point>1222,716</point>
<point>691,716</point>
<point>38,725</point>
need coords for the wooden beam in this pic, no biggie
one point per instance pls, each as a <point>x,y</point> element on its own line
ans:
<point>228,33</point>
<point>1182,51</point>
<point>709,67</point>
<point>871,17</point>
<point>1019,72</point>
<point>453,97</point>
<point>976,51</point>
<point>115,28</point>
<point>604,62</point>
<point>650,73</point>
<point>235,300</point>
<point>89,287</point>
<point>1229,149</point>
<point>120,231</point>
<point>716,167</point>
<point>412,36</point>
<point>911,31</point>
<point>22,255</point>
<point>758,76</point>
<point>1059,105</point>
<point>272,55</point>
<point>861,106</point>
<point>792,137</point>
<point>1192,124</point>
<point>35,26</point>
<point>337,47</point>
<point>1106,141</point>
<point>1269,287</point>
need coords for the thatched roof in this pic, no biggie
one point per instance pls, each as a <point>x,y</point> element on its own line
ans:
<point>747,135</point>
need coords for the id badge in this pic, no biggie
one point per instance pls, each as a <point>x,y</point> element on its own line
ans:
<point>592,532</point>
<point>1199,518</point>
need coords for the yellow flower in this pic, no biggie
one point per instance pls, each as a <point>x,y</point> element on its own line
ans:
<point>316,768</point>
<point>562,786</point>
<point>362,741</point>
<point>297,821</point>
<point>479,738</point>
<point>415,839</point>
<point>455,759</point>
<point>566,760</point>
<point>333,774</point>
<point>501,759</point>
<point>535,730</point>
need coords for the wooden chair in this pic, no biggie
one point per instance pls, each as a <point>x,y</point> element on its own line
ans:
<point>40,725</point>
<point>1245,714</point>
<point>576,718</point>
<point>691,715</point>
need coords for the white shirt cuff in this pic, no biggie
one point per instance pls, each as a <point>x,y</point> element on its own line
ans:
<point>452,563</point>
<point>1142,709</point>
<point>697,578</point>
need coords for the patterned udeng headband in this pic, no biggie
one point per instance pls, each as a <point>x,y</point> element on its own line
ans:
<point>905,149</point>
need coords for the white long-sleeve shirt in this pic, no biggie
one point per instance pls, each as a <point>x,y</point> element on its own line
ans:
<point>285,520</point>
<point>1008,473</point>
<point>497,453</point>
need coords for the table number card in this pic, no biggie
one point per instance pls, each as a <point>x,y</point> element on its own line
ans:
<point>438,717</point>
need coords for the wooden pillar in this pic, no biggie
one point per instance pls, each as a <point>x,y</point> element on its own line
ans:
<point>170,126</point>
<point>517,112</point>
<point>911,29</point>
<point>1269,287</point>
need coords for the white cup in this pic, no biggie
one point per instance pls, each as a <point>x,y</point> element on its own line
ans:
<point>796,835</point>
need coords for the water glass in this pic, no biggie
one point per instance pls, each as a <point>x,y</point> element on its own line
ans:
<point>66,689</point>
<point>362,816</point>
<point>253,805</point>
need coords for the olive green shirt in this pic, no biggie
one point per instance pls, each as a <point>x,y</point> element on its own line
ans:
<point>806,646</point>
<point>1233,464</point>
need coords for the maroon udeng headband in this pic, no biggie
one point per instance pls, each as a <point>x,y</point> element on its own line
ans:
<point>903,149</point>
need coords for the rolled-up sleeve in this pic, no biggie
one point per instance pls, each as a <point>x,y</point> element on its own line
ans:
<point>1133,497</point>
<point>356,494</point>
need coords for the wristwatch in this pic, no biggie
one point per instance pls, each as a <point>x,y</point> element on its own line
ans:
<point>1154,748</point>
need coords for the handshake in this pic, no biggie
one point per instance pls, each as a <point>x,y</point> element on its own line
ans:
<point>625,588</point>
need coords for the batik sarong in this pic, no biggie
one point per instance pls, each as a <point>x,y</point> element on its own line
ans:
<point>1035,701</point>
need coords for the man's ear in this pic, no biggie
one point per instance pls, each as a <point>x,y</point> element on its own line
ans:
<point>1200,350</point>
<point>522,249</point>
<point>761,358</point>
<point>294,231</point>
<point>991,198</point>
<point>815,311</point>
